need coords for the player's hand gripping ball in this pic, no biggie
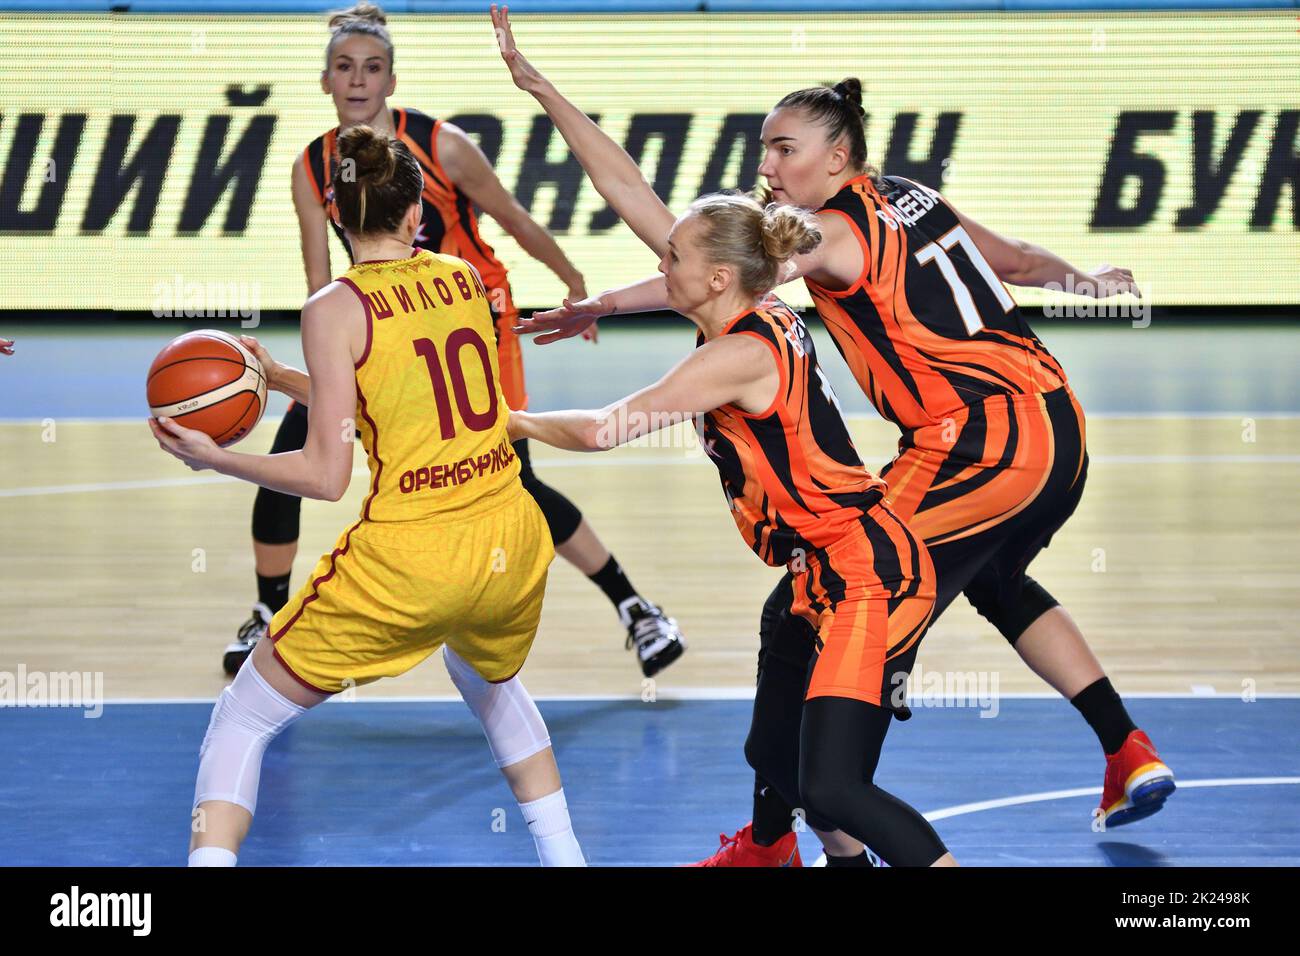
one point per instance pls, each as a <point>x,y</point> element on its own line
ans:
<point>205,390</point>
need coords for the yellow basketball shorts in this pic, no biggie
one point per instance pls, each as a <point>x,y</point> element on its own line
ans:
<point>390,593</point>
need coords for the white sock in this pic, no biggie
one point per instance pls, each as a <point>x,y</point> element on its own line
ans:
<point>212,856</point>
<point>548,822</point>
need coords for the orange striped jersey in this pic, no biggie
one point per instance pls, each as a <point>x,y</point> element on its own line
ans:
<point>430,409</point>
<point>791,474</point>
<point>448,225</point>
<point>928,327</point>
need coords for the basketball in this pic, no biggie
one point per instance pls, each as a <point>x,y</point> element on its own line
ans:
<point>207,380</point>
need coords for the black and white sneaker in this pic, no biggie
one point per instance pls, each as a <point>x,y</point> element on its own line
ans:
<point>657,637</point>
<point>250,632</point>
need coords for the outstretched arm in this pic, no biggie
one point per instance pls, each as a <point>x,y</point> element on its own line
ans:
<point>574,316</point>
<point>735,369</point>
<point>472,172</point>
<point>614,173</point>
<point>836,260</point>
<point>1023,263</point>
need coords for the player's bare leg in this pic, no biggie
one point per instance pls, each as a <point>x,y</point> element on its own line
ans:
<point>1055,650</point>
<point>584,550</point>
<point>534,777</point>
<point>274,560</point>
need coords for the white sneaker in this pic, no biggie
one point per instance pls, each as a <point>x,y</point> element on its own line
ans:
<point>657,637</point>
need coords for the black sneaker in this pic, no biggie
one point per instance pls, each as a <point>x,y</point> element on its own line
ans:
<point>250,632</point>
<point>657,637</point>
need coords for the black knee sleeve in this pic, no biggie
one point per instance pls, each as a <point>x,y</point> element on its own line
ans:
<point>562,515</point>
<point>276,515</point>
<point>1010,615</point>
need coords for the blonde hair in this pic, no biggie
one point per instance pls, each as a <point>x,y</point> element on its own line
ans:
<point>755,238</point>
<point>362,19</point>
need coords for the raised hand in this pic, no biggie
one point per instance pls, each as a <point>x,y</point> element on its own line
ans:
<point>6,346</point>
<point>525,75</point>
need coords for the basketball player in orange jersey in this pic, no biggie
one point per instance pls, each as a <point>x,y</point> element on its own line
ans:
<point>359,77</point>
<point>449,551</point>
<point>992,458</point>
<point>798,492</point>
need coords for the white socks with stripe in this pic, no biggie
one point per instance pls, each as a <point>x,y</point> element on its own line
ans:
<point>548,822</point>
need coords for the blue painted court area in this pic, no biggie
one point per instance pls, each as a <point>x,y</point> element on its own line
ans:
<point>411,783</point>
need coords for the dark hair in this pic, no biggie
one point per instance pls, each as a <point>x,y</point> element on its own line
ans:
<point>838,107</point>
<point>365,19</point>
<point>382,181</point>
<point>754,238</point>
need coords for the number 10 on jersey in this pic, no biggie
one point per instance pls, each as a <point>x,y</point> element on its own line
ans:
<point>456,343</point>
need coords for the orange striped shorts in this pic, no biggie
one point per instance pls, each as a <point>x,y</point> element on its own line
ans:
<point>869,597</point>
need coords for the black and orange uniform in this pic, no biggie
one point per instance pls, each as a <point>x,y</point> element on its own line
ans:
<point>992,455</point>
<point>449,226</point>
<point>802,498</point>
<point>861,584</point>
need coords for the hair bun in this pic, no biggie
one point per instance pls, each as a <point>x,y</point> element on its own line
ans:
<point>788,231</point>
<point>851,89</point>
<point>371,152</point>
<point>361,11</point>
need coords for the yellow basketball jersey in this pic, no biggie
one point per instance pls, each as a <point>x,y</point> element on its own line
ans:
<point>430,410</point>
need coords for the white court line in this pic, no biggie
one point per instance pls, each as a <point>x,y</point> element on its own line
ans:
<point>686,693</point>
<point>962,809</point>
<point>618,461</point>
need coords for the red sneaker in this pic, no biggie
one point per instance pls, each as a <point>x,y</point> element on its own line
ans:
<point>741,850</point>
<point>1137,782</point>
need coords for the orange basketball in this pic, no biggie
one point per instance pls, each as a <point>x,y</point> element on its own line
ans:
<point>207,380</point>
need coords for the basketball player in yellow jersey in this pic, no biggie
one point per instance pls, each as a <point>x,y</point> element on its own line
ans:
<point>449,549</point>
<point>359,77</point>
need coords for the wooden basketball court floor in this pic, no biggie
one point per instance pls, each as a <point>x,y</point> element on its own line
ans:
<point>1181,566</point>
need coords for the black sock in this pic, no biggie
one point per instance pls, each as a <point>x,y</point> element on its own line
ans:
<point>773,817</point>
<point>1105,714</point>
<point>613,582</point>
<point>860,860</point>
<point>273,591</point>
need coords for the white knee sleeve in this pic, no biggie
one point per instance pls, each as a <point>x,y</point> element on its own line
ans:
<point>514,728</point>
<point>248,716</point>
